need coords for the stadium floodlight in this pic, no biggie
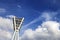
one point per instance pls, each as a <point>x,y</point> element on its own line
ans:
<point>17,22</point>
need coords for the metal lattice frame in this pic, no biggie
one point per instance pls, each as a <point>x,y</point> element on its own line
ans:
<point>17,26</point>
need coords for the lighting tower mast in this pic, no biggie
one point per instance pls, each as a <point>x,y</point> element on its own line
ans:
<point>17,22</point>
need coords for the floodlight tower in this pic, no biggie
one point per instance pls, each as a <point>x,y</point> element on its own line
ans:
<point>17,22</point>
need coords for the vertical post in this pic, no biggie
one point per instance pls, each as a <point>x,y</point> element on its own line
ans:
<point>17,25</point>
<point>16,31</point>
<point>14,26</point>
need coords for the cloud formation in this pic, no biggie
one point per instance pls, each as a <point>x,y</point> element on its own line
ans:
<point>5,23</point>
<point>5,28</point>
<point>45,16</point>
<point>49,30</point>
<point>5,35</point>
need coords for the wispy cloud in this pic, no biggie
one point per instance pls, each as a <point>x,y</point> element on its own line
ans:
<point>2,10</point>
<point>10,16</point>
<point>33,21</point>
<point>45,15</point>
<point>19,6</point>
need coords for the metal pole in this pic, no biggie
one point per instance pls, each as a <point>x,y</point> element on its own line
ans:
<point>16,31</point>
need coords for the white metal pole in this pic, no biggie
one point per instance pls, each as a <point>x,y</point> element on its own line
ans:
<point>16,31</point>
<point>21,23</point>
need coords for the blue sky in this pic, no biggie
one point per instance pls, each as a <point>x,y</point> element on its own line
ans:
<point>35,12</point>
<point>29,9</point>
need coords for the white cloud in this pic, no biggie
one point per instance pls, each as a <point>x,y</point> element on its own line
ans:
<point>46,16</point>
<point>5,28</point>
<point>5,35</point>
<point>5,23</point>
<point>10,16</point>
<point>52,26</point>
<point>48,31</point>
